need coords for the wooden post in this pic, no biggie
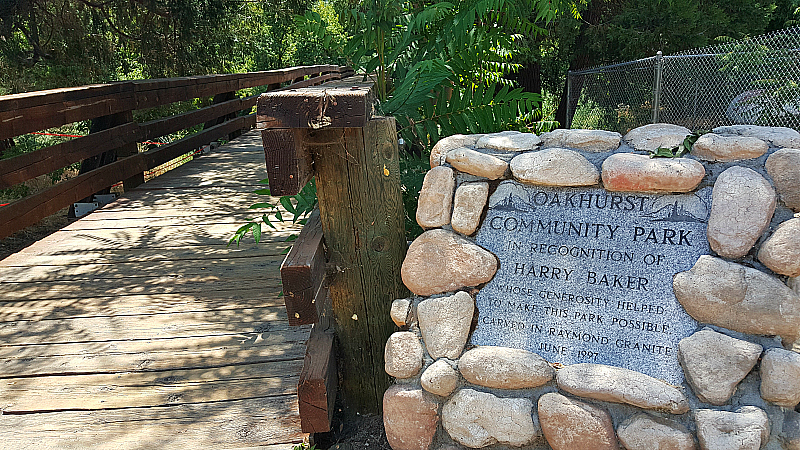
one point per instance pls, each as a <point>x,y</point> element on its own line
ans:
<point>356,165</point>
<point>358,185</point>
<point>108,157</point>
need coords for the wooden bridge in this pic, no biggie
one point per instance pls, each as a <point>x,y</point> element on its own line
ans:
<point>136,327</point>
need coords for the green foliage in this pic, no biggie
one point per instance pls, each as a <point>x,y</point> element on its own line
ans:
<point>298,206</point>
<point>412,172</point>
<point>439,66</point>
<point>679,150</point>
<point>304,446</point>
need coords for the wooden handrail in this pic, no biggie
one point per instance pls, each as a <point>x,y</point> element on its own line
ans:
<point>41,110</point>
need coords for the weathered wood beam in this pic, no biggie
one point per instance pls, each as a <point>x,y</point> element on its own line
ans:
<point>302,274</point>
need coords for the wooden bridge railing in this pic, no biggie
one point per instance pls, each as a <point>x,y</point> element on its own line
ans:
<point>110,106</point>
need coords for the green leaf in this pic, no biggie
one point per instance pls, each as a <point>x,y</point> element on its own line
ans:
<point>257,232</point>
<point>287,204</point>
<point>262,192</point>
<point>261,205</point>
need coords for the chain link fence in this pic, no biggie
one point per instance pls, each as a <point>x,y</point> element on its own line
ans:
<point>751,81</point>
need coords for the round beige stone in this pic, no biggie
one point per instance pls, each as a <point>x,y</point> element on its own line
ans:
<point>444,323</point>
<point>569,424</point>
<point>745,429</point>
<point>780,377</point>
<point>478,419</point>
<point>779,136</point>
<point>468,207</point>
<point>439,151</point>
<point>629,172</point>
<point>554,167</point>
<point>587,140</point>
<point>713,147</point>
<point>715,363</point>
<point>504,368</point>
<point>403,355</point>
<point>476,163</point>
<point>781,252</point>
<point>783,167</point>
<point>409,417</point>
<point>513,141</point>
<point>645,432</point>
<point>436,198</point>
<point>442,261</point>
<point>655,135</point>
<point>440,378</point>
<point>742,206</point>
<point>738,298</point>
<point>620,385</point>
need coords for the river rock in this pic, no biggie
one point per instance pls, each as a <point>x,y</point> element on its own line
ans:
<point>783,167</point>
<point>742,206</point>
<point>403,355</point>
<point>778,136</point>
<point>781,252</point>
<point>468,207</point>
<point>477,419</point>
<point>436,198</point>
<point>514,141</point>
<point>745,429</point>
<point>620,385</point>
<point>715,363</point>
<point>440,378</point>
<point>780,377</point>
<point>400,311</point>
<point>440,150</point>
<point>554,167</point>
<point>739,298</point>
<point>791,430</point>
<point>645,432</point>
<point>476,163</point>
<point>569,424</point>
<point>713,147</point>
<point>409,417</point>
<point>629,172</point>
<point>655,135</point>
<point>587,140</point>
<point>445,323</point>
<point>504,368</point>
<point>442,261</point>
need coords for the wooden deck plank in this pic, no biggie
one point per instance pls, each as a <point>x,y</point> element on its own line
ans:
<point>126,390</point>
<point>152,354</point>
<point>137,327</point>
<point>128,305</point>
<point>152,326</point>
<point>229,267</point>
<point>55,255</point>
<point>229,424</point>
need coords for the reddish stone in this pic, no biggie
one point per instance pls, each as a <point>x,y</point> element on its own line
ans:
<point>629,172</point>
<point>409,417</point>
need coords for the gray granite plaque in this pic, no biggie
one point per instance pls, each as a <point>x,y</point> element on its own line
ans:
<point>586,274</point>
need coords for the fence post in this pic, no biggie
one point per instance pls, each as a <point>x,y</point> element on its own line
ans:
<point>657,87</point>
<point>356,167</point>
<point>569,100</point>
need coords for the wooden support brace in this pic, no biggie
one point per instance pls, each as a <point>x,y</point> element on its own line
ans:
<point>302,274</point>
<point>316,390</point>
<point>289,163</point>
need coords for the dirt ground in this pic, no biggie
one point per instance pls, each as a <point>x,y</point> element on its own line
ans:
<point>357,433</point>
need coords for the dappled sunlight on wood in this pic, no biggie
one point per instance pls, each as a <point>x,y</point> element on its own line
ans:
<point>138,327</point>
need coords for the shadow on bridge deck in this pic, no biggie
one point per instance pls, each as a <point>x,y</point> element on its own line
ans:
<point>137,328</point>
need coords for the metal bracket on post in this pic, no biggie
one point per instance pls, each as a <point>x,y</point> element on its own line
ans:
<point>657,87</point>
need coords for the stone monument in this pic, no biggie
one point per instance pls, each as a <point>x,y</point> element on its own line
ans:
<point>571,292</point>
<point>586,274</point>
